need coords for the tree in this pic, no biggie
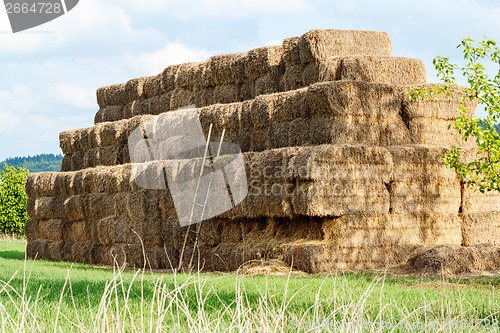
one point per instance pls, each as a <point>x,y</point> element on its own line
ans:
<point>483,172</point>
<point>13,199</point>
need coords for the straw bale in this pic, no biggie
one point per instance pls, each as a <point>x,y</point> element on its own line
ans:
<point>47,208</point>
<point>291,51</point>
<point>279,134</point>
<point>226,93</point>
<point>100,205</point>
<point>74,208</point>
<point>139,108</point>
<point>387,70</point>
<point>452,260</point>
<point>205,96</point>
<point>311,74</point>
<point>134,89</point>
<point>168,78</point>
<point>246,91</point>
<point>66,251</point>
<point>111,95</point>
<point>127,111</point>
<point>78,252</point>
<point>54,230</point>
<point>78,231</point>
<point>136,207</point>
<point>111,113</point>
<point>186,74</point>
<point>354,98</point>
<point>66,163</point>
<point>31,229</point>
<point>319,45</point>
<point>260,61</point>
<point>104,229</point>
<point>430,131</point>
<point>226,69</point>
<point>159,104</point>
<point>473,201</point>
<point>204,76</point>
<point>152,86</point>
<point>66,140</point>
<point>481,228</point>
<point>444,107</point>
<point>32,184</point>
<point>181,97</point>
<point>37,249</point>
<point>77,160</point>
<point>260,140</point>
<point>268,83</point>
<point>100,116</point>
<point>292,78</point>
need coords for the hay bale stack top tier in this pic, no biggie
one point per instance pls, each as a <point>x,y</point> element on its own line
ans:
<point>341,171</point>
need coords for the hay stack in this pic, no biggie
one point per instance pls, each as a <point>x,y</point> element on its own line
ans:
<point>343,171</point>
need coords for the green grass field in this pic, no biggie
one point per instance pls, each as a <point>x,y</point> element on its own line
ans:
<point>59,296</point>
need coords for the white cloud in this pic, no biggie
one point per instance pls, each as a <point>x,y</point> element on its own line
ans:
<point>274,42</point>
<point>174,53</point>
<point>9,122</point>
<point>73,95</point>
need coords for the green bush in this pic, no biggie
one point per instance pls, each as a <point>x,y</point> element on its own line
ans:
<point>13,198</point>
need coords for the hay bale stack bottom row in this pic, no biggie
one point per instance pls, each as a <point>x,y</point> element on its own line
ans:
<point>342,171</point>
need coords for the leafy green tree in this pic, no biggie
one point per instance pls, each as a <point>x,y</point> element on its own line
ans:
<point>483,171</point>
<point>13,199</point>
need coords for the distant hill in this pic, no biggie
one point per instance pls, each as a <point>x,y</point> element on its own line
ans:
<point>37,163</point>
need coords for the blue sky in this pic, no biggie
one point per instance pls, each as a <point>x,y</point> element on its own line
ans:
<point>49,74</point>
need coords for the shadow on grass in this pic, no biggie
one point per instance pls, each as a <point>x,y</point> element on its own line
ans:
<point>12,255</point>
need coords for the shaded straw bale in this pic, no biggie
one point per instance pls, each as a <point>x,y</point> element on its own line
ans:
<point>311,74</point>
<point>54,250</point>
<point>134,89</point>
<point>292,77</point>
<point>246,91</point>
<point>37,248</point>
<point>481,228</point>
<point>186,74</point>
<point>74,208</point>
<point>66,163</point>
<point>387,70</point>
<point>168,78</point>
<point>159,104</point>
<point>291,51</point>
<point>268,83</point>
<point>31,229</point>
<point>111,95</point>
<point>111,113</point>
<point>78,231</point>
<point>152,86</point>
<point>260,61</point>
<point>452,260</point>
<point>226,93</point>
<point>139,108</point>
<point>430,131</point>
<point>226,69</point>
<point>181,97</point>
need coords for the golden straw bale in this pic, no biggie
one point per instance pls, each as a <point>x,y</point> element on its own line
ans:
<point>111,113</point>
<point>428,131</point>
<point>476,202</point>
<point>319,45</point>
<point>481,228</point>
<point>387,70</point>
<point>443,107</point>
<point>269,83</point>
<point>355,98</point>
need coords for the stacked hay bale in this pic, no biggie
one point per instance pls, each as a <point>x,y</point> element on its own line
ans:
<point>343,169</point>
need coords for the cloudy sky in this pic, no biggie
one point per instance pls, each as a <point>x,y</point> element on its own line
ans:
<point>49,74</point>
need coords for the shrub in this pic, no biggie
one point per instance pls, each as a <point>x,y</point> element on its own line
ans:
<point>13,198</point>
